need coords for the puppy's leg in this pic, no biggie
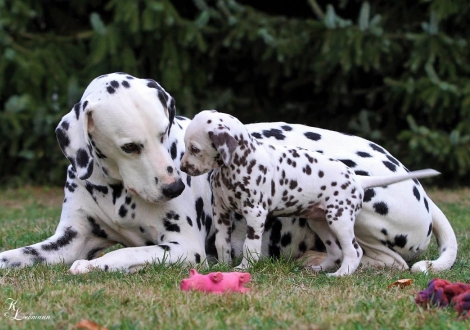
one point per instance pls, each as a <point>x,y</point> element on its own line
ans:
<point>223,231</point>
<point>255,220</point>
<point>342,227</point>
<point>333,248</point>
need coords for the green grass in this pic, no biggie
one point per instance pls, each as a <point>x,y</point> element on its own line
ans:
<point>283,294</point>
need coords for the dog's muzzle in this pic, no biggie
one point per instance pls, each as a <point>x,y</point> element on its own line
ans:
<point>174,189</point>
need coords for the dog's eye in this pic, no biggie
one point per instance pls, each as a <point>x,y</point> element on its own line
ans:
<point>194,150</point>
<point>131,148</point>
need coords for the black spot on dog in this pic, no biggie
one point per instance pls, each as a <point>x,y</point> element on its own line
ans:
<point>377,148</point>
<point>153,84</point>
<point>70,186</point>
<point>92,187</point>
<point>62,138</point>
<point>197,257</point>
<point>96,229</point>
<point>117,191</point>
<point>276,133</point>
<point>384,231</point>
<point>401,240</point>
<point>368,195</point>
<point>392,167</point>
<point>286,239</point>
<point>67,238</point>
<point>208,224</point>
<point>190,222</point>
<point>199,212</point>
<point>274,251</point>
<point>82,158</point>
<point>363,154</point>
<point>393,160</point>
<point>37,258</point>
<point>173,151</point>
<point>122,211</point>
<point>250,233</point>
<point>381,208</point>
<point>360,172</point>
<point>312,136</point>
<point>256,135</point>
<point>321,174</point>
<point>164,247</point>
<point>430,229</point>
<point>302,247</point>
<point>76,108</point>
<point>125,84</point>
<point>114,84</point>
<point>348,162</point>
<point>426,203</point>
<point>171,226</point>
<point>416,193</point>
<point>275,225</point>
<point>110,90</point>
<point>286,128</point>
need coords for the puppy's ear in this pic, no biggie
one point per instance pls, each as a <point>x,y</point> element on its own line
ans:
<point>224,143</point>
<point>72,135</point>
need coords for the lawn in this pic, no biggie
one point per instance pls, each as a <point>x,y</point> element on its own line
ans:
<point>283,294</point>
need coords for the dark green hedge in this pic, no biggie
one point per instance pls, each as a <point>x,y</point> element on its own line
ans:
<point>396,72</point>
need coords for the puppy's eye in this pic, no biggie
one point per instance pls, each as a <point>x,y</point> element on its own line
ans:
<point>194,150</point>
<point>131,148</point>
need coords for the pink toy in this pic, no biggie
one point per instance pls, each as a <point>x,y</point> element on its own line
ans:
<point>216,282</point>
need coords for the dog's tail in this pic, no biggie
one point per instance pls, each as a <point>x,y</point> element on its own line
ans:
<point>446,241</point>
<point>378,181</point>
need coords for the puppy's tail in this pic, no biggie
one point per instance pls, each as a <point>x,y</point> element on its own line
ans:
<point>379,181</point>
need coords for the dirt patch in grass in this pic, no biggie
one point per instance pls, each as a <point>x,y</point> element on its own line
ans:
<point>445,196</point>
<point>19,198</point>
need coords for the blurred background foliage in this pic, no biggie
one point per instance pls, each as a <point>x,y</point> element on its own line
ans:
<point>396,72</point>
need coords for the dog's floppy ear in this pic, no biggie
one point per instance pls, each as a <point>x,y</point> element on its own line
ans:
<point>72,135</point>
<point>167,101</point>
<point>224,143</point>
<point>171,112</point>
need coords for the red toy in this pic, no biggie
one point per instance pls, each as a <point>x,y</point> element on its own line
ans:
<point>216,282</point>
<point>442,293</point>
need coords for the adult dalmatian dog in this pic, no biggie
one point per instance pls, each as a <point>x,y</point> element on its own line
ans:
<point>260,180</point>
<point>125,142</point>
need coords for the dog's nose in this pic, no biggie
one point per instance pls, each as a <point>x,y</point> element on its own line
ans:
<point>173,190</point>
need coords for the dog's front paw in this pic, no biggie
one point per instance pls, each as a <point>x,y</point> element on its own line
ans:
<point>82,266</point>
<point>12,259</point>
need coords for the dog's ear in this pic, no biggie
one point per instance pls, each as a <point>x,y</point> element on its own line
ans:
<point>167,101</point>
<point>72,135</point>
<point>224,143</point>
<point>171,112</point>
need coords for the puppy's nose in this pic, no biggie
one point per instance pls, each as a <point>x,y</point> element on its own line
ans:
<point>174,189</point>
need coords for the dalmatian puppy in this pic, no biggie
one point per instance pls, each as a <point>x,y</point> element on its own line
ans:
<point>125,143</point>
<point>259,180</point>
